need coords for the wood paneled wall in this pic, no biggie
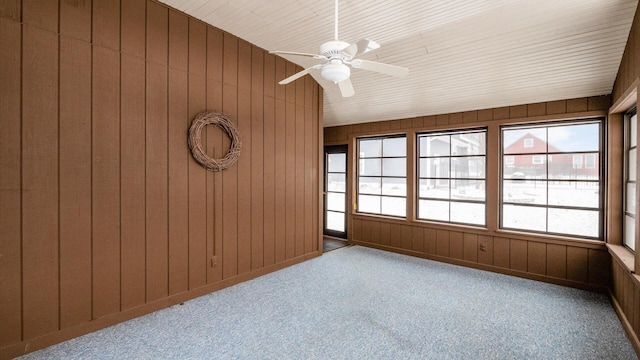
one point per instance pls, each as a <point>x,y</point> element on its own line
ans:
<point>104,214</point>
<point>626,284</point>
<point>582,264</point>
<point>629,69</point>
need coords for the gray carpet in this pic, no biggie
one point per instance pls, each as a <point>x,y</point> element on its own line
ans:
<point>361,303</point>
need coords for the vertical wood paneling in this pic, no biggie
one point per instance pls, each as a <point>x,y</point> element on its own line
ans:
<point>132,218</point>
<point>470,247</point>
<point>407,234</point>
<point>40,181</point>
<point>577,259</point>
<point>290,178</point>
<point>299,169</point>
<point>430,241</point>
<point>133,24</point>
<point>156,184</point>
<point>309,160</point>
<point>501,252</point>
<point>269,179</point>
<point>257,159</point>
<point>11,9</point>
<point>396,235</point>
<point>280,180</point>
<point>417,235</point>
<point>356,232</point>
<point>455,245</point>
<point>178,161</point>
<point>42,14</point>
<point>75,182</point>
<point>374,233</point>
<point>214,182</point>
<point>106,181</point>
<point>518,255</point>
<point>244,164</point>
<point>443,246</point>
<point>10,206</point>
<point>132,191</point>
<point>230,183</point>
<point>269,75</point>
<point>244,171</point>
<point>280,74</point>
<point>198,257</point>
<point>106,23</point>
<point>318,170</point>
<point>537,257</point>
<point>156,193</point>
<point>599,266</point>
<point>385,234</point>
<point>215,147</point>
<point>75,19</point>
<point>557,261</point>
<point>485,256</point>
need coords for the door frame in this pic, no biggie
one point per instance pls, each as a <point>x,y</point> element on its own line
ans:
<point>335,149</point>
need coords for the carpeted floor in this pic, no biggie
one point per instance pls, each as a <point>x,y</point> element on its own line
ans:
<point>361,303</point>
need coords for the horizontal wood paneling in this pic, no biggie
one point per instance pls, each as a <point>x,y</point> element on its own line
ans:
<point>104,214</point>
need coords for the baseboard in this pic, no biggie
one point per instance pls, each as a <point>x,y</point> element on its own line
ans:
<point>41,342</point>
<point>492,268</point>
<point>626,325</point>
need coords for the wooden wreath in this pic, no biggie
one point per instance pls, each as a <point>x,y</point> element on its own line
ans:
<point>195,144</point>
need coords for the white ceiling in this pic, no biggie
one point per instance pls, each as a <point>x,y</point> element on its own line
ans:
<point>462,54</point>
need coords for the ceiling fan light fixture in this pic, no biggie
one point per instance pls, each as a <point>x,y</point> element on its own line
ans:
<point>335,72</point>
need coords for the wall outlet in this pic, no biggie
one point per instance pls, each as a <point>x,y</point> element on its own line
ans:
<point>214,261</point>
<point>482,247</point>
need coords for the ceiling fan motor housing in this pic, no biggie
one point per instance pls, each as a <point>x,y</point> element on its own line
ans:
<point>333,49</point>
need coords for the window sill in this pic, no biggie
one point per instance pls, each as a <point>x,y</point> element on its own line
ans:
<point>623,255</point>
<point>546,238</point>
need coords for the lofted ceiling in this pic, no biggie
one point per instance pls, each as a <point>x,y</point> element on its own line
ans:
<point>462,54</point>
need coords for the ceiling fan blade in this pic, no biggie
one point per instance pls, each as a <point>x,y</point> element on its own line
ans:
<point>346,88</point>
<point>360,47</point>
<point>299,74</point>
<point>315,56</point>
<point>387,69</point>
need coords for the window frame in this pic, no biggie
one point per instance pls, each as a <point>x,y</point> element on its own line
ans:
<point>381,176</point>
<point>450,179</point>
<point>600,182</point>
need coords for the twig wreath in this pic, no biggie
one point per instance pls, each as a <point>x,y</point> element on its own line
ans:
<point>195,144</point>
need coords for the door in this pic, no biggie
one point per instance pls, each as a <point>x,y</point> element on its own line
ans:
<point>335,191</point>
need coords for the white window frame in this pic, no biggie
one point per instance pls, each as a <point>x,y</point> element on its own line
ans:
<point>528,142</point>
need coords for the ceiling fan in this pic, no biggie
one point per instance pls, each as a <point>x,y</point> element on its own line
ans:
<point>337,55</point>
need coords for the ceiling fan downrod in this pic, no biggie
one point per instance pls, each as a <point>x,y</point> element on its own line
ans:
<point>336,22</point>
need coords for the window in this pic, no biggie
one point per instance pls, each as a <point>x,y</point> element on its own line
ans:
<point>537,159</point>
<point>630,157</point>
<point>452,176</point>
<point>382,182</point>
<point>509,160</point>
<point>528,143</point>
<point>554,197</point>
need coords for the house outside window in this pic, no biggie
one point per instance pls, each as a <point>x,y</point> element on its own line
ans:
<point>452,176</point>
<point>562,196</point>
<point>382,182</point>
